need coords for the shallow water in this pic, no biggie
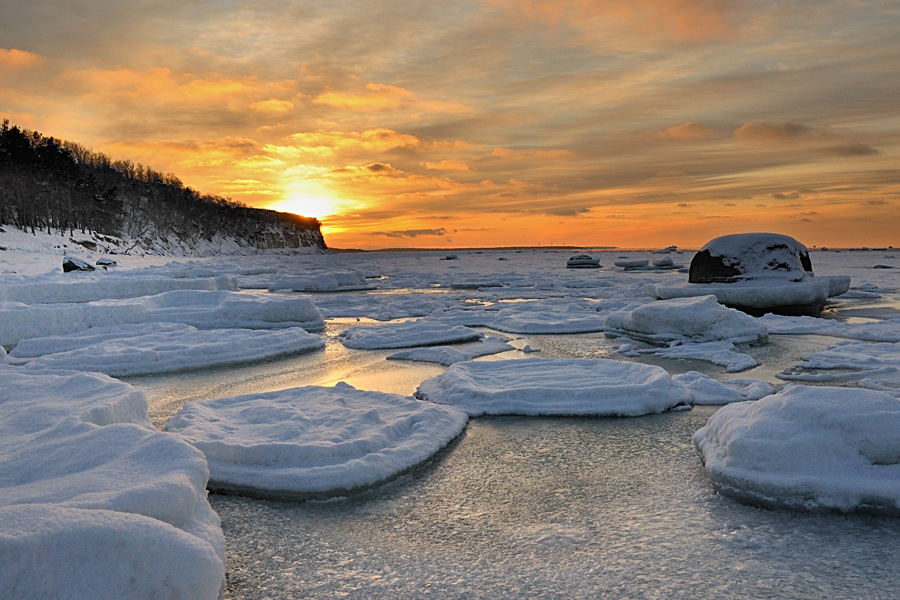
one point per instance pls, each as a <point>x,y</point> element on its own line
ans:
<point>555,508</point>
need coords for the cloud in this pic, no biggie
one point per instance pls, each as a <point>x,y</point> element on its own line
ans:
<point>778,131</point>
<point>446,165</point>
<point>854,149</point>
<point>412,233</point>
<point>12,58</point>
<point>273,106</point>
<point>380,97</point>
<point>790,196</point>
<point>687,131</point>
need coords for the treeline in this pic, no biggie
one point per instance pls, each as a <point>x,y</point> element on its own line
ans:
<point>48,184</point>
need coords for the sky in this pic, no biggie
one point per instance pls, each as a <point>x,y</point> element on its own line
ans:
<point>630,123</point>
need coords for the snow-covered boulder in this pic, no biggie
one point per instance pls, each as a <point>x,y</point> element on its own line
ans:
<point>71,263</point>
<point>808,448</point>
<point>313,441</point>
<point>756,273</point>
<point>700,319</point>
<point>407,335</point>
<point>588,387</point>
<point>94,502</point>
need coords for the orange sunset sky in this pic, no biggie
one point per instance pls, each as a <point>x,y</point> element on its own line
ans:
<point>632,123</point>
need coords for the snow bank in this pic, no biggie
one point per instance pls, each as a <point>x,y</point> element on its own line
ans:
<point>313,441</point>
<point>94,502</point>
<point>589,387</point>
<point>168,351</point>
<point>322,282</point>
<point>705,390</point>
<point>406,334</point>
<point>808,448</point>
<point>448,355</point>
<point>202,309</point>
<point>700,319</point>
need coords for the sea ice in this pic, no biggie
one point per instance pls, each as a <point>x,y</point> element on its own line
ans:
<point>201,309</point>
<point>313,441</point>
<point>406,335</point>
<point>336,281</point>
<point>94,502</point>
<point>589,387</point>
<point>57,290</point>
<point>705,390</point>
<point>700,319</point>
<point>168,351</point>
<point>808,448</point>
<point>873,331</point>
<point>448,355</point>
<point>851,361</point>
<point>724,354</point>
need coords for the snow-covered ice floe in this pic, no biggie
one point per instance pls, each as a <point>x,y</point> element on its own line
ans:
<point>871,365</point>
<point>700,319</point>
<point>705,390</point>
<point>724,354</point>
<point>448,355</point>
<point>201,309</point>
<point>337,281</point>
<point>808,448</point>
<point>119,352</point>
<point>589,387</point>
<point>756,273</point>
<point>406,335</point>
<point>874,331</point>
<point>58,290</point>
<point>313,441</point>
<point>94,502</point>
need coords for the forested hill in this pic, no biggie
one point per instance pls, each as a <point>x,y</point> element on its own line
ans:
<point>53,185</point>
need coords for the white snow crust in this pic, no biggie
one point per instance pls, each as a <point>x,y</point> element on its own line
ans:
<point>406,335</point>
<point>724,354</point>
<point>705,390</point>
<point>314,441</point>
<point>588,387</point>
<point>94,502</point>
<point>808,448</point>
<point>448,355</point>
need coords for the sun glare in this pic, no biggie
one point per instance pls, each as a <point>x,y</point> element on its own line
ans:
<point>306,204</point>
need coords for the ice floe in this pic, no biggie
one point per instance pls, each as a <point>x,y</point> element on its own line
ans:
<point>705,390</point>
<point>700,319</point>
<point>183,349</point>
<point>448,355</point>
<point>808,448</point>
<point>335,281</point>
<point>201,309</point>
<point>724,354</point>
<point>874,331</point>
<point>55,290</point>
<point>94,502</point>
<point>406,334</point>
<point>589,387</point>
<point>848,361</point>
<point>313,441</point>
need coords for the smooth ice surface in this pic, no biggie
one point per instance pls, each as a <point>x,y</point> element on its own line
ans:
<point>83,473</point>
<point>314,441</point>
<point>170,351</point>
<point>700,319</point>
<point>596,387</point>
<point>407,334</point>
<point>448,355</point>
<point>808,448</point>
<point>202,309</point>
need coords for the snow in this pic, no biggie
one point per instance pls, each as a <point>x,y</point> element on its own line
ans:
<point>584,387</point>
<point>724,354</point>
<point>406,334</point>
<point>447,355</point>
<point>88,288</point>
<point>700,319</point>
<point>105,505</point>
<point>322,282</point>
<point>202,309</point>
<point>874,331</point>
<point>125,353</point>
<point>314,441</point>
<point>808,448</point>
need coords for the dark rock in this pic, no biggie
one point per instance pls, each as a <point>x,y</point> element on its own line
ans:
<point>70,263</point>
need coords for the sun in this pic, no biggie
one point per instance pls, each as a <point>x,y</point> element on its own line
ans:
<point>306,204</point>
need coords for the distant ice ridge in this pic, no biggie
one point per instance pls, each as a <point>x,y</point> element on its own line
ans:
<point>94,502</point>
<point>808,448</point>
<point>201,309</point>
<point>589,387</point>
<point>130,350</point>
<point>313,441</point>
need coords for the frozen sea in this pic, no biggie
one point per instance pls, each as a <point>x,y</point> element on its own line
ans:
<point>531,507</point>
